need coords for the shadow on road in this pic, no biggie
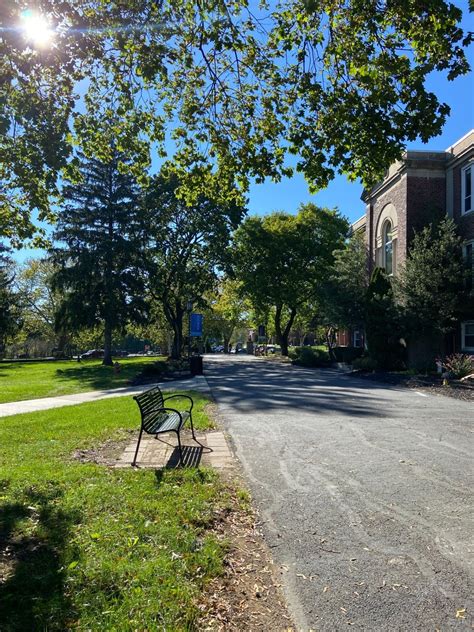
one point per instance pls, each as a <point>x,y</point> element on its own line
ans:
<point>249,385</point>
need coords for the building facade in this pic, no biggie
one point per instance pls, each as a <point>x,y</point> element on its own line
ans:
<point>420,189</point>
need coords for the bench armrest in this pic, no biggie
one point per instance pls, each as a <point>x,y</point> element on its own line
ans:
<point>180,396</point>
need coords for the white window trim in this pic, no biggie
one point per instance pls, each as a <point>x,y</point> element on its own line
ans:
<point>463,335</point>
<point>463,188</point>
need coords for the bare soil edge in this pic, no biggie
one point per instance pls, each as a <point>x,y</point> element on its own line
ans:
<point>248,595</point>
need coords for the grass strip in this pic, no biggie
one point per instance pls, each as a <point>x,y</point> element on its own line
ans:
<point>93,548</point>
<point>32,380</point>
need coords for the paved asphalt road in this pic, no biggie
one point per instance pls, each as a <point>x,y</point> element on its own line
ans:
<point>365,492</point>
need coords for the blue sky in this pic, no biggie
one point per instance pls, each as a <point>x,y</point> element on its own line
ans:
<point>288,194</point>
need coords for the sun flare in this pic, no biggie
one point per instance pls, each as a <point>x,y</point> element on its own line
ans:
<point>36,28</point>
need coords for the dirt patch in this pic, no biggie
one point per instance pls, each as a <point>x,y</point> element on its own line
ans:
<point>457,390</point>
<point>212,411</point>
<point>248,595</point>
<point>105,453</point>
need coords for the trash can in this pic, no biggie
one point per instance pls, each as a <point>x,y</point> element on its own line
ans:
<point>195,364</point>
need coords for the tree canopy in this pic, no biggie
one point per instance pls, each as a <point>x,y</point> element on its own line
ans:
<point>282,260</point>
<point>185,246</point>
<point>346,288</point>
<point>230,87</point>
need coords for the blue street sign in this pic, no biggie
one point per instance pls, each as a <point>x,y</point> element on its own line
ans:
<point>196,325</point>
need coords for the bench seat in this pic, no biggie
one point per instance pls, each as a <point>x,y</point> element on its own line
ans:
<point>157,417</point>
<point>164,422</point>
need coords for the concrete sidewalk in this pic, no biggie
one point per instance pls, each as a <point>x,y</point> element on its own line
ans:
<point>197,383</point>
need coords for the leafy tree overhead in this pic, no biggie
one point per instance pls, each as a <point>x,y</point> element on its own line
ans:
<point>185,246</point>
<point>234,85</point>
<point>100,229</point>
<point>282,260</point>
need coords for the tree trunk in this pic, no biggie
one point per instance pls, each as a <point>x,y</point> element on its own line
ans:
<point>226,344</point>
<point>107,345</point>
<point>331,342</point>
<point>177,325</point>
<point>283,334</point>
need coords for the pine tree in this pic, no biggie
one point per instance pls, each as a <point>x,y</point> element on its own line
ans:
<point>100,232</point>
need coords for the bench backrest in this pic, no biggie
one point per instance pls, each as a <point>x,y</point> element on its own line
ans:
<point>149,402</point>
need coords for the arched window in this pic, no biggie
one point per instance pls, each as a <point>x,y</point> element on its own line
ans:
<point>388,247</point>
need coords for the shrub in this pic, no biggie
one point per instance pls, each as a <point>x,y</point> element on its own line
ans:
<point>309,357</point>
<point>459,365</point>
<point>347,354</point>
<point>364,364</point>
<point>154,368</point>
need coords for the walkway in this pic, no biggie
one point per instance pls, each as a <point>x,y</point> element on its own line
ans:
<point>197,383</point>
<point>364,490</point>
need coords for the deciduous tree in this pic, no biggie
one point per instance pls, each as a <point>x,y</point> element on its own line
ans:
<point>236,85</point>
<point>344,301</point>
<point>185,246</point>
<point>282,260</point>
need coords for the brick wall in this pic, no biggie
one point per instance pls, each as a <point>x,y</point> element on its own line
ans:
<point>426,202</point>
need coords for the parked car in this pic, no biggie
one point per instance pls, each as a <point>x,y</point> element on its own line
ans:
<point>92,353</point>
<point>120,353</point>
<point>218,349</point>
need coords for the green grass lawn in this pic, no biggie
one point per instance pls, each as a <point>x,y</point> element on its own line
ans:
<point>30,380</point>
<point>89,547</point>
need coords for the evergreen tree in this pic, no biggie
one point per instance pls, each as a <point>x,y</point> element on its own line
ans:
<point>431,285</point>
<point>100,230</point>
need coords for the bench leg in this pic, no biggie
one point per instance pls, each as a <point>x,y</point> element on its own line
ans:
<point>192,427</point>
<point>134,462</point>
<point>181,460</point>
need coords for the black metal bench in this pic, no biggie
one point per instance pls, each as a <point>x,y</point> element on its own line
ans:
<point>157,417</point>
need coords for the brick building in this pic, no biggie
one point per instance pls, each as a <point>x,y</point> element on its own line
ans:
<point>419,189</point>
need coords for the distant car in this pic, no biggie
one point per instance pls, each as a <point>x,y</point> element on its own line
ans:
<point>120,353</point>
<point>92,353</point>
<point>218,349</point>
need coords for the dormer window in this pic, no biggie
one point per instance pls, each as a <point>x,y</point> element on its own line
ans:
<point>467,186</point>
